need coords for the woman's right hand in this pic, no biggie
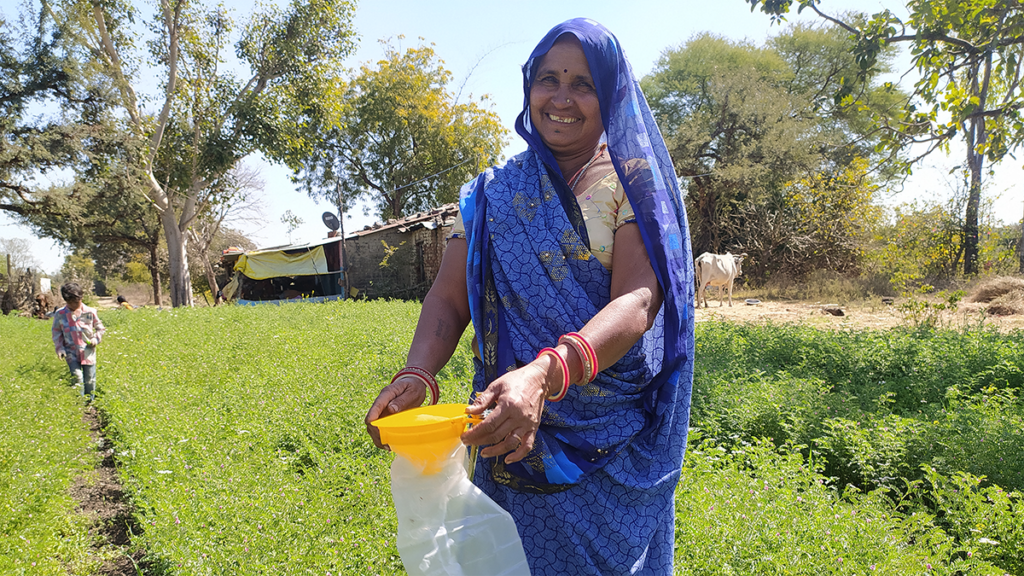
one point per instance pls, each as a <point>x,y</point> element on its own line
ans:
<point>402,394</point>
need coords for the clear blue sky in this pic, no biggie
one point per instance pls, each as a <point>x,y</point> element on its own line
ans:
<point>484,44</point>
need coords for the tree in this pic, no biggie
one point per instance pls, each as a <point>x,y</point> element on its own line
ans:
<point>208,119</point>
<point>79,268</point>
<point>292,221</point>
<point>820,62</point>
<point>236,203</point>
<point>745,124</point>
<point>104,214</point>
<point>746,144</point>
<point>52,110</point>
<point>398,138</point>
<point>969,56</point>
<point>19,253</point>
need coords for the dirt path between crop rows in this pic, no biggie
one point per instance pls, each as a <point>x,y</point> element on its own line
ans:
<point>101,498</point>
<point>858,317</point>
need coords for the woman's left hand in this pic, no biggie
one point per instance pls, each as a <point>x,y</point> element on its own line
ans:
<point>517,400</point>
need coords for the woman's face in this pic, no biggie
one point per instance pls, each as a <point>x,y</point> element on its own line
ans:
<point>563,102</point>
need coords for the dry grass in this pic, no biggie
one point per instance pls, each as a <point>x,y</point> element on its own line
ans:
<point>1003,294</point>
<point>993,288</point>
<point>1007,304</point>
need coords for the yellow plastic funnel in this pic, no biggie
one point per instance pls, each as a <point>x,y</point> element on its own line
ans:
<point>426,435</point>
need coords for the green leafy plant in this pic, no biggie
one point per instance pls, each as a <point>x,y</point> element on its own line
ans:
<point>238,435</point>
<point>920,312</point>
<point>44,450</point>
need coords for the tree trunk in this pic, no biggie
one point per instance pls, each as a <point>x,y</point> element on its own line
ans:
<point>177,261</point>
<point>211,276</point>
<point>154,273</point>
<point>974,161</point>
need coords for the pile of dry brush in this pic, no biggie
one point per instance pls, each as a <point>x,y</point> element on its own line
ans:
<point>1003,294</point>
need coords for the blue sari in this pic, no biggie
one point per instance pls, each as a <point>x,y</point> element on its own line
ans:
<point>596,494</point>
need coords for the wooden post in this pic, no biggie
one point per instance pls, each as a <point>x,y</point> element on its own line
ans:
<point>341,230</point>
<point>7,301</point>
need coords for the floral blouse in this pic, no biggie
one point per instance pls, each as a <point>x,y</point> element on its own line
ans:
<point>605,209</point>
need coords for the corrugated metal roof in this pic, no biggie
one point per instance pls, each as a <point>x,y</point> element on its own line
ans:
<point>290,247</point>
<point>431,220</point>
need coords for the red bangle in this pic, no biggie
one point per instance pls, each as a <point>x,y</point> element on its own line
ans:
<point>590,352</point>
<point>565,373</point>
<point>575,344</point>
<point>426,377</point>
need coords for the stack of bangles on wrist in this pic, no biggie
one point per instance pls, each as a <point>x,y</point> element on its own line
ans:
<point>587,355</point>
<point>586,352</point>
<point>426,377</point>
<point>565,373</point>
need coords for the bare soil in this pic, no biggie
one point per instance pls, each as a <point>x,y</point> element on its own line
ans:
<point>856,316</point>
<point>101,498</point>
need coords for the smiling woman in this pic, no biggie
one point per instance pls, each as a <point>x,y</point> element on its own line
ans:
<point>564,107</point>
<point>573,264</point>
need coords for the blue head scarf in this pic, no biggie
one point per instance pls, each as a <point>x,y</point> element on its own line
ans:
<point>653,190</point>
<point>645,170</point>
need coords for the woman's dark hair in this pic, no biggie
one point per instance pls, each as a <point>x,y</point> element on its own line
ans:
<point>121,299</point>
<point>71,290</point>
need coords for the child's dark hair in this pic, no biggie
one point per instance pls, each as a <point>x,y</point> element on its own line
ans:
<point>71,290</point>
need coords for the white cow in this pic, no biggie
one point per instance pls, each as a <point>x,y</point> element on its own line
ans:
<point>716,270</point>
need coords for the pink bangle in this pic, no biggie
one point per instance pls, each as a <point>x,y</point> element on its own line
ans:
<point>426,377</point>
<point>565,373</point>
<point>590,352</point>
<point>588,367</point>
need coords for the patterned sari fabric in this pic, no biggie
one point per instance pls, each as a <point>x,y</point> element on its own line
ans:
<point>595,496</point>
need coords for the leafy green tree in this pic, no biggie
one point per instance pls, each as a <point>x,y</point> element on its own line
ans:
<point>969,56</point>
<point>747,124</point>
<point>207,118</point>
<point>739,150</point>
<point>398,138</point>
<point>106,216</point>
<point>820,62</point>
<point>922,242</point>
<point>79,268</point>
<point>51,111</point>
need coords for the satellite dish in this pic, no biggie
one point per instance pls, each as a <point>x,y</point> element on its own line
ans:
<point>331,221</point>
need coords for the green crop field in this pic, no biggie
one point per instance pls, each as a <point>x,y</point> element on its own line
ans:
<point>238,435</point>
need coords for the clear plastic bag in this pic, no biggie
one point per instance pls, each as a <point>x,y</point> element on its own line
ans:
<point>449,527</point>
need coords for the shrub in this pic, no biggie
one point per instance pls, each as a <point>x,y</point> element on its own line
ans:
<point>752,509</point>
<point>875,405</point>
<point>986,520</point>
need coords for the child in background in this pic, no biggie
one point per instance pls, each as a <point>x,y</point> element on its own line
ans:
<point>77,330</point>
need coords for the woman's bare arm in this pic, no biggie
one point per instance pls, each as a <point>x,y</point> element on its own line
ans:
<point>518,397</point>
<point>443,318</point>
